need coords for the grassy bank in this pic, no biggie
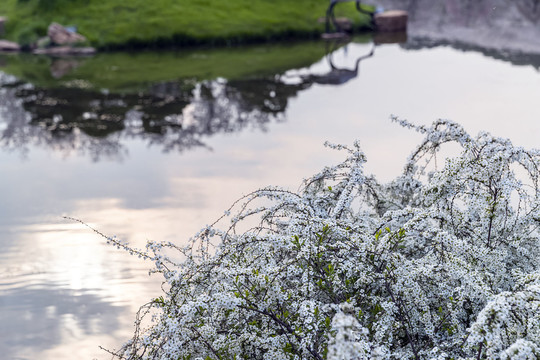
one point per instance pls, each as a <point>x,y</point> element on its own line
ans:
<point>142,23</point>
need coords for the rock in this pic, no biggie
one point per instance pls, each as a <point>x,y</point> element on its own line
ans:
<point>393,20</point>
<point>9,46</point>
<point>59,35</point>
<point>66,50</point>
<point>62,67</point>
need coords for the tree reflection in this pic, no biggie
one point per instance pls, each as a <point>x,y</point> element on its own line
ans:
<point>172,115</point>
<point>48,128</point>
<point>70,115</point>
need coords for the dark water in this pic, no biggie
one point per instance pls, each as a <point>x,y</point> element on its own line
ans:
<point>155,145</point>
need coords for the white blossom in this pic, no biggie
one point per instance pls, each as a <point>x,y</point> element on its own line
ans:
<point>437,264</point>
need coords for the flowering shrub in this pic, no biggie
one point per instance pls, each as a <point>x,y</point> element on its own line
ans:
<point>434,265</point>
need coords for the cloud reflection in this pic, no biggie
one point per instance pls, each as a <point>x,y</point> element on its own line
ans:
<point>62,286</point>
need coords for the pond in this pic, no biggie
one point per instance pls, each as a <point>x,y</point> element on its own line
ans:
<point>156,145</point>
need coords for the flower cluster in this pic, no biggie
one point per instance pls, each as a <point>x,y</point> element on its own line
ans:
<point>434,265</point>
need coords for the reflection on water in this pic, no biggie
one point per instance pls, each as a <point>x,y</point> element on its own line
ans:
<point>71,112</point>
<point>336,75</point>
<point>63,292</point>
<point>175,116</point>
<point>516,58</point>
<point>47,317</point>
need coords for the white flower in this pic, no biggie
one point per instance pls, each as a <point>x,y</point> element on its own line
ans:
<point>437,264</point>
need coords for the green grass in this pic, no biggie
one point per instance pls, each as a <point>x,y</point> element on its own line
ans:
<point>136,23</point>
<point>129,72</point>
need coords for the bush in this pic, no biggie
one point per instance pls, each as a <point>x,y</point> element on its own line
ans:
<point>437,265</point>
<point>30,34</point>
